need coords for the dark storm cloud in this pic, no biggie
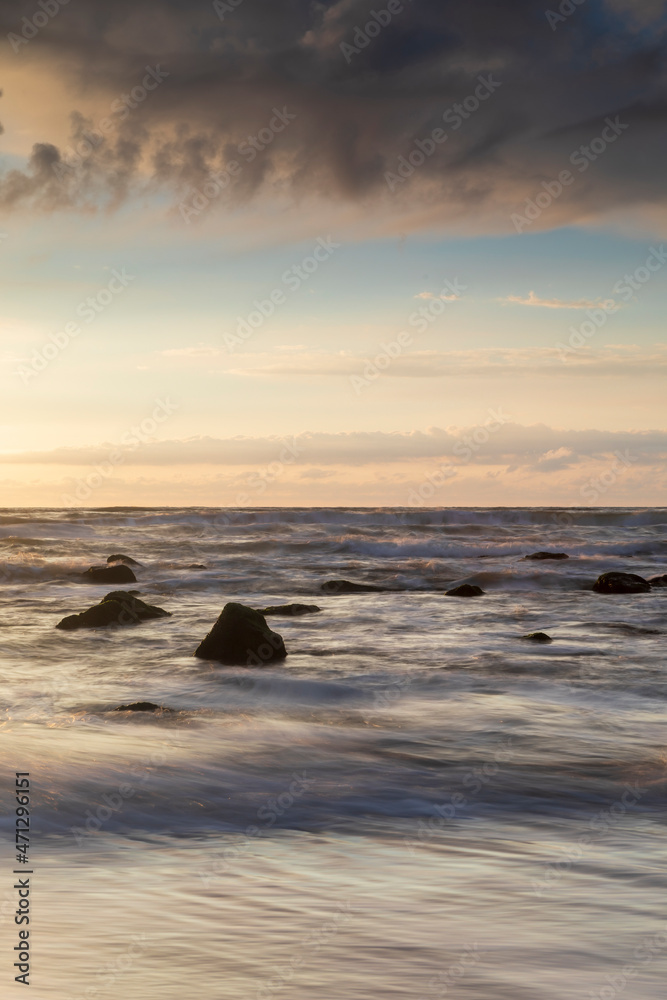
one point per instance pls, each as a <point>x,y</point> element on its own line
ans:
<point>357,112</point>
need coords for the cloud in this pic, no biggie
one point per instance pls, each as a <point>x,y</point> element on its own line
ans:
<point>430,295</point>
<point>618,361</point>
<point>200,351</point>
<point>539,447</point>
<point>316,474</point>
<point>534,300</point>
<point>354,118</point>
<point>557,459</point>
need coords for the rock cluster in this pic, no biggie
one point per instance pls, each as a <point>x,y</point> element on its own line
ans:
<point>118,608</point>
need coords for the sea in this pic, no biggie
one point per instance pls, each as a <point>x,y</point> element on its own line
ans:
<point>417,803</point>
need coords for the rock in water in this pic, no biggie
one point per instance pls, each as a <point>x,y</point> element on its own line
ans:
<point>658,581</point>
<point>345,587</point>
<point>291,609</point>
<point>621,583</point>
<point>465,590</point>
<point>117,608</point>
<point>548,555</point>
<point>141,611</point>
<point>107,613</point>
<point>142,706</point>
<point>537,637</point>
<point>241,637</point>
<point>118,573</point>
<point>123,559</point>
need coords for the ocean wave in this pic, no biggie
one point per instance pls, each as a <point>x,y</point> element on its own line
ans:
<point>221,518</point>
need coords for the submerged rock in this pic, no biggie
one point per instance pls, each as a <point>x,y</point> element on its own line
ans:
<point>621,583</point>
<point>548,555</point>
<point>291,609</point>
<point>128,560</point>
<point>345,587</point>
<point>142,706</point>
<point>465,590</point>
<point>537,637</point>
<point>117,608</point>
<point>241,637</point>
<point>118,573</point>
<point>658,581</point>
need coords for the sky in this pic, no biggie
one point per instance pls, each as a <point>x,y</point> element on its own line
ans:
<point>333,253</point>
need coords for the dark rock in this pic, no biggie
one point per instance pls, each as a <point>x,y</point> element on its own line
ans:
<point>241,637</point>
<point>197,566</point>
<point>621,583</point>
<point>547,555</point>
<point>345,587</point>
<point>143,612</point>
<point>117,608</point>
<point>119,573</point>
<point>465,590</point>
<point>123,559</point>
<point>658,581</point>
<point>291,609</point>
<point>142,706</point>
<point>537,637</point>
<point>107,613</point>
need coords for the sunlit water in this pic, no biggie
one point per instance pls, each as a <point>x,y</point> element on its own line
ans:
<point>417,803</point>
